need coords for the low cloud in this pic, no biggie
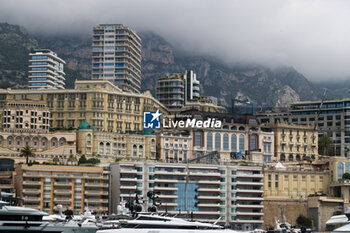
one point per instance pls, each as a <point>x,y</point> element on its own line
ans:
<point>312,36</point>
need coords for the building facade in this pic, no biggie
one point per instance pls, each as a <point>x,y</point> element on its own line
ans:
<point>26,123</point>
<point>116,56</point>
<point>43,187</point>
<point>99,102</point>
<point>46,70</point>
<point>174,147</point>
<point>230,193</point>
<point>238,135</point>
<point>334,120</point>
<point>293,142</point>
<point>108,146</point>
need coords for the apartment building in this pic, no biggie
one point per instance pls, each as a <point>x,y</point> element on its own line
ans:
<point>174,147</point>
<point>43,187</point>
<point>334,120</point>
<point>231,193</point>
<point>174,91</point>
<point>116,56</point>
<point>26,122</point>
<point>46,70</point>
<point>109,146</point>
<point>293,142</point>
<point>99,102</point>
<point>7,175</point>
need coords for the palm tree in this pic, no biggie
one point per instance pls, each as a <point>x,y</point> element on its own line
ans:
<point>27,152</point>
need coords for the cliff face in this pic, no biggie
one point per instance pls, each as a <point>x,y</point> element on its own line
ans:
<point>268,87</point>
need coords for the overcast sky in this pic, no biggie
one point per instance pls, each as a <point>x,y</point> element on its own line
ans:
<point>312,36</point>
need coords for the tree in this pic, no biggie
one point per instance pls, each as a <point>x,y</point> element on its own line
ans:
<point>93,161</point>
<point>303,221</point>
<point>346,176</point>
<point>325,145</point>
<point>27,152</point>
<point>82,159</point>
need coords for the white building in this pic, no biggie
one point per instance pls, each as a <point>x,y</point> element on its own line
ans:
<point>46,70</point>
<point>116,56</point>
<point>230,193</point>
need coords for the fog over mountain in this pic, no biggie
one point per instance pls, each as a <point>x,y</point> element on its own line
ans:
<point>311,36</point>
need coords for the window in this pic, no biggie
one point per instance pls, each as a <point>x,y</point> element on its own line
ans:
<point>241,143</point>
<point>209,141</point>
<point>217,141</point>
<point>198,141</point>
<point>233,142</point>
<point>276,181</point>
<point>253,142</point>
<point>225,145</point>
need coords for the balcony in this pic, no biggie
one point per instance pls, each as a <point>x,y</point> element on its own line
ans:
<point>250,198</point>
<point>63,191</point>
<point>32,182</point>
<point>208,181</point>
<point>128,187</point>
<point>250,206</point>
<point>62,200</point>
<point>209,197</point>
<point>249,213</point>
<point>167,196</point>
<point>248,221</point>
<point>250,183</point>
<point>211,174</point>
<point>249,175</point>
<point>95,193</point>
<point>166,181</point>
<point>208,189</point>
<point>249,191</point>
<point>31,191</point>
<point>32,199</point>
<point>63,184</point>
<point>96,200</point>
<point>96,185</point>
<point>165,188</point>
<point>210,205</point>
<point>129,179</point>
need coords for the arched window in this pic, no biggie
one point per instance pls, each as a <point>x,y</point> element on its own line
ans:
<point>233,142</point>
<point>283,157</point>
<point>198,141</point>
<point>241,143</point>
<point>225,141</point>
<point>253,142</point>
<point>209,141</point>
<point>217,141</point>
<point>297,157</point>
<point>290,158</point>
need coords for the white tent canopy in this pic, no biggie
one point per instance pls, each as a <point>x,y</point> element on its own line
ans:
<point>280,166</point>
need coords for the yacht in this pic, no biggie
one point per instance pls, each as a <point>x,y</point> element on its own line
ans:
<point>15,219</point>
<point>154,223</point>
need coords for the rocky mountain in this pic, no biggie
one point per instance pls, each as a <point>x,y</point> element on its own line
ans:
<point>266,86</point>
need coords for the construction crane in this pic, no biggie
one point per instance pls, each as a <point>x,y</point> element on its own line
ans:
<point>316,123</point>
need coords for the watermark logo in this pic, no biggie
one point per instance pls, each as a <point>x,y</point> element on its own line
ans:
<point>151,120</point>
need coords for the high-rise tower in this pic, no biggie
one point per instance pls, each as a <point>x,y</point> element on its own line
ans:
<point>46,70</point>
<point>116,56</point>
